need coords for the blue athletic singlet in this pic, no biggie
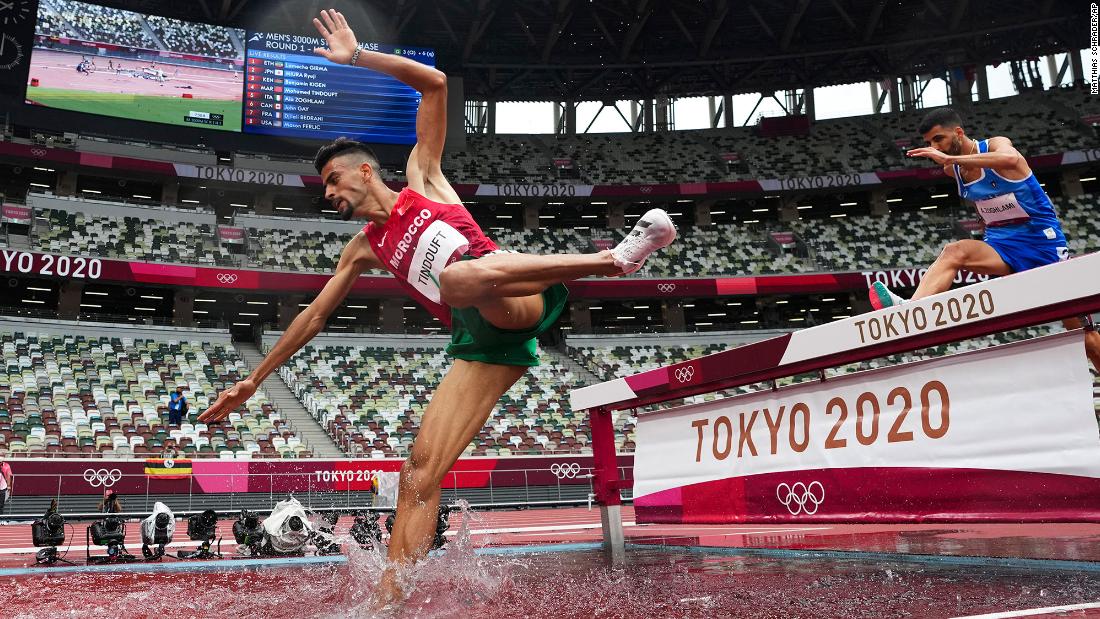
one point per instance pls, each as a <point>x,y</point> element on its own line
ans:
<point>1021,224</point>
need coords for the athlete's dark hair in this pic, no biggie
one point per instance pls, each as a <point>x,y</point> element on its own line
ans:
<point>341,147</point>
<point>944,117</point>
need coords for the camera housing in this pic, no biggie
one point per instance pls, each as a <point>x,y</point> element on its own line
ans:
<point>157,531</point>
<point>48,530</point>
<point>249,532</point>
<point>203,527</point>
<point>109,532</point>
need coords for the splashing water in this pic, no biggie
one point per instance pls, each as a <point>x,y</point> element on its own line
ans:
<point>459,582</point>
<point>437,586</point>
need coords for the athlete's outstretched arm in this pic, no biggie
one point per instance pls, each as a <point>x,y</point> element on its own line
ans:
<point>356,258</point>
<point>341,48</point>
<point>423,170</point>
<point>1002,156</point>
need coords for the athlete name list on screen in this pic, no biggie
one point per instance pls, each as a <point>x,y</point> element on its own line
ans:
<point>290,91</point>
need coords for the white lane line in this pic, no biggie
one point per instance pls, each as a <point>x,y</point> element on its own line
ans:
<point>718,533</point>
<point>548,528</point>
<point>1031,612</point>
<point>129,546</point>
<point>719,530</point>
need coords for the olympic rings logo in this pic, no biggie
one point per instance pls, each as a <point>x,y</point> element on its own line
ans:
<point>565,471</point>
<point>666,288</point>
<point>684,374</point>
<point>645,189</point>
<point>102,477</point>
<point>227,278</point>
<point>38,152</point>
<point>800,498</point>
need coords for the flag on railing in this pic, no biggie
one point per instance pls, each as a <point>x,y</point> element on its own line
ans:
<point>167,468</point>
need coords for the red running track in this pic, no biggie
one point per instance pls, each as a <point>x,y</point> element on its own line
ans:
<point>1076,542</point>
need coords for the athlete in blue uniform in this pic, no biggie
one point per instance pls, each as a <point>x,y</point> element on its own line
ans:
<point>1021,228</point>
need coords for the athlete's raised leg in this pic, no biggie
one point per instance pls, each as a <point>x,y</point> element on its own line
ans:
<point>1092,341</point>
<point>458,410</point>
<point>506,288</point>
<point>974,256</point>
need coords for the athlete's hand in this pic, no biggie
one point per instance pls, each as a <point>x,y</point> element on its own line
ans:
<point>229,401</point>
<point>931,153</point>
<point>339,37</point>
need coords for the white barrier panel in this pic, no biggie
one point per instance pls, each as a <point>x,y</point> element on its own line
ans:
<point>1004,433</point>
<point>1047,293</point>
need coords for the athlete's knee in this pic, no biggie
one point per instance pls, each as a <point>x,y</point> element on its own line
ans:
<point>462,283</point>
<point>954,254</point>
<point>420,473</point>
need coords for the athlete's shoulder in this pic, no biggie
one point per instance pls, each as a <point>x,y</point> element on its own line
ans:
<point>430,198</point>
<point>359,251</point>
<point>998,142</point>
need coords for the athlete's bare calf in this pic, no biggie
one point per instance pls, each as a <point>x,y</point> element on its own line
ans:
<point>979,257</point>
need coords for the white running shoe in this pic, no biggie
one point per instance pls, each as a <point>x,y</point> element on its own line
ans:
<point>653,231</point>
<point>881,296</point>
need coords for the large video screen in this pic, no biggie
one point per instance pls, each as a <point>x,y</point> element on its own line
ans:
<point>292,92</point>
<point>101,60</point>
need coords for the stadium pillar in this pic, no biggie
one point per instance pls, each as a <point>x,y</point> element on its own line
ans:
<point>983,83</point>
<point>288,310</point>
<point>265,203</point>
<point>581,316</point>
<point>170,192</point>
<point>68,302</point>
<point>183,307</point>
<point>808,103</point>
<point>647,115</point>
<point>531,217</point>
<point>456,113</point>
<point>959,85</point>
<point>908,100</point>
<point>788,209</point>
<point>393,316</point>
<point>66,183</point>
<point>702,212</point>
<point>616,217</point>
<point>1078,69</point>
<point>664,114</point>
<point>570,118</point>
<point>1071,184</point>
<point>879,207</point>
<point>491,117</point>
<point>727,109</point>
<point>895,95</point>
<point>860,303</point>
<point>672,313</point>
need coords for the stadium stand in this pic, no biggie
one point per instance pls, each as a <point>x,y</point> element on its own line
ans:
<point>1053,121</point>
<point>370,396</point>
<point>129,237</point>
<point>92,22</point>
<point>291,250</point>
<point>194,38</point>
<point>903,239</point>
<point>64,391</point>
<point>837,244</point>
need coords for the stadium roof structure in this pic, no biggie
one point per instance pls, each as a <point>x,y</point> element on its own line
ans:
<point>630,49</point>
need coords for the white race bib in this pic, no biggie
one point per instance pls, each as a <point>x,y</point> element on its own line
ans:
<point>1002,209</point>
<point>434,250</point>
